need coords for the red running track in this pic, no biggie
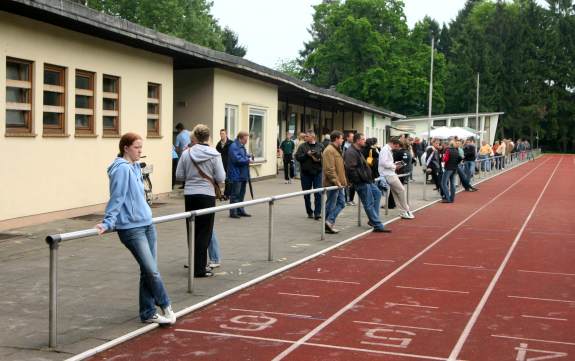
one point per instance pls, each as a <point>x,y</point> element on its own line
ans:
<point>489,277</point>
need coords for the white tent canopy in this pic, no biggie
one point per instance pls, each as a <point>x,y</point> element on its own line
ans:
<point>449,132</point>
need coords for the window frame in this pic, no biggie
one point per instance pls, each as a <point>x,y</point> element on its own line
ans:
<point>264,114</point>
<point>113,132</point>
<point>91,110</point>
<point>27,107</point>
<point>60,109</point>
<point>157,116</point>
<point>234,129</point>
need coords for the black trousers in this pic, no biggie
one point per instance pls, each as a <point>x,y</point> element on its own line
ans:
<point>204,226</point>
<point>288,166</point>
<point>174,166</point>
<point>436,177</point>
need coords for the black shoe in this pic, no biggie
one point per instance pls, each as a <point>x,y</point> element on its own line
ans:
<point>245,215</point>
<point>370,224</point>
<point>309,215</point>
<point>381,230</point>
<point>317,218</point>
<point>329,229</point>
<point>234,216</point>
<point>202,275</point>
<point>471,189</point>
<point>445,201</point>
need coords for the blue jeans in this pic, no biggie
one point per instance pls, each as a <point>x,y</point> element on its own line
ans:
<point>469,166</point>
<point>312,182</point>
<point>238,192</point>
<point>485,163</point>
<point>214,249</point>
<point>448,176</point>
<point>141,241</point>
<point>463,177</point>
<point>334,204</point>
<point>370,196</point>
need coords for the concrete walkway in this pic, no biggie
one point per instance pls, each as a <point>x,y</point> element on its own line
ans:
<point>99,278</point>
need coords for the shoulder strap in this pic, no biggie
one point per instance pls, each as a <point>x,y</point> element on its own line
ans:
<point>202,174</point>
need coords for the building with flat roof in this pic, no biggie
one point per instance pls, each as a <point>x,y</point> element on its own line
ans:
<point>75,80</point>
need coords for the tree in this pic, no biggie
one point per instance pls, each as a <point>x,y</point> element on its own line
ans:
<point>231,43</point>
<point>187,19</point>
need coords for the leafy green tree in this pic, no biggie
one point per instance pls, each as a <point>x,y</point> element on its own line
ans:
<point>231,43</point>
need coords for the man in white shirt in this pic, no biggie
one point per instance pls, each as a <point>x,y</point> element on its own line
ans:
<point>387,169</point>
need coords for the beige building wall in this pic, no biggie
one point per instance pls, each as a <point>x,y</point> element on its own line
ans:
<point>194,97</point>
<point>374,126</point>
<point>248,95</point>
<point>42,174</point>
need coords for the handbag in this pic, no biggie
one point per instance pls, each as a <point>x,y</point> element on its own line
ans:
<point>219,195</point>
<point>370,158</point>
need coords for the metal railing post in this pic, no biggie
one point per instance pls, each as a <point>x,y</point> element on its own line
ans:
<point>424,184</point>
<point>407,189</point>
<point>191,250</point>
<point>358,211</point>
<point>323,215</point>
<point>387,201</point>
<point>270,229</point>
<point>53,311</point>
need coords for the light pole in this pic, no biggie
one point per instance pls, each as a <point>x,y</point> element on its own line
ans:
<point>430,93</point>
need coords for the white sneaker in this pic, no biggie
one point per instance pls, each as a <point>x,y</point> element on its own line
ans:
<point>169,314</point>
<point>162,320</point>
<point>214,265</point>
<point>411,214</point>
<point>406,215</point>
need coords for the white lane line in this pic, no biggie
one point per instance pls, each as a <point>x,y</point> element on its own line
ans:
<point>321,345</point>
<point>297,294</point>
<point>399,326</point>
<point>365,259</point>
<point>399,269</point>
<point>431,289</point>
<point>547,273</point>
<point>322,280</point>
<point>535,339</point>
<point>467,330</point>
<point>542,299</point>
<point>545,318</point>
<point>481,268</point>
<point>272,313</point>
<point>410,305</point>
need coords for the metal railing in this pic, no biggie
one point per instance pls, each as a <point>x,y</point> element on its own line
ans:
<point>54,241</point>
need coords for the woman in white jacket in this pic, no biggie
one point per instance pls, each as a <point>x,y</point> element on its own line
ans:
<point>201,168</point>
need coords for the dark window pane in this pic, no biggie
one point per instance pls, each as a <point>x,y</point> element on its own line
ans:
<point>83,101</point>
<point>51,98</point>
<point>16,118</point>
<point>152,125</point>
<point>17,71</point>
<point>110,85</point>
<point>153,91</point>
<point>52,77</point>
<point>153,108</point>
<point>82,121</point>
<point>52,118</point>
<point>109,122</point>
<point>17,95</point>
<point>110,104</point>
<point>83,82</point>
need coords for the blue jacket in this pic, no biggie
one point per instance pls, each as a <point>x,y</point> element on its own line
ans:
<point>127,207</point>
<point>238,162</point>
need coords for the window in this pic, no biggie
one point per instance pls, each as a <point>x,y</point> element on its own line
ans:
<point>111,105</point>
<point>231,121</point>
<point>84,116</point>
<point>456,122</point>
<point>153,109</point>
<point>18,96</point>
<point>292,125</point>
<point>440,123</point>
<point>54,111</point>
<point>256,141</point>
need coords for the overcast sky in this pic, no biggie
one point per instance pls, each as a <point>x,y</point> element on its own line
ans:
<point>277,29</point>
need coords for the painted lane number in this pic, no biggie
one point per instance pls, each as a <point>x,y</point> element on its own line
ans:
<point>391,338</point>
<point>524,353</point>
<point>251,323</point>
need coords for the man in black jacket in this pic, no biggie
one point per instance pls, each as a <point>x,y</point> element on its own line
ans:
<point>309,156</point>
<point>223,147</point>
<point>359,174</point>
